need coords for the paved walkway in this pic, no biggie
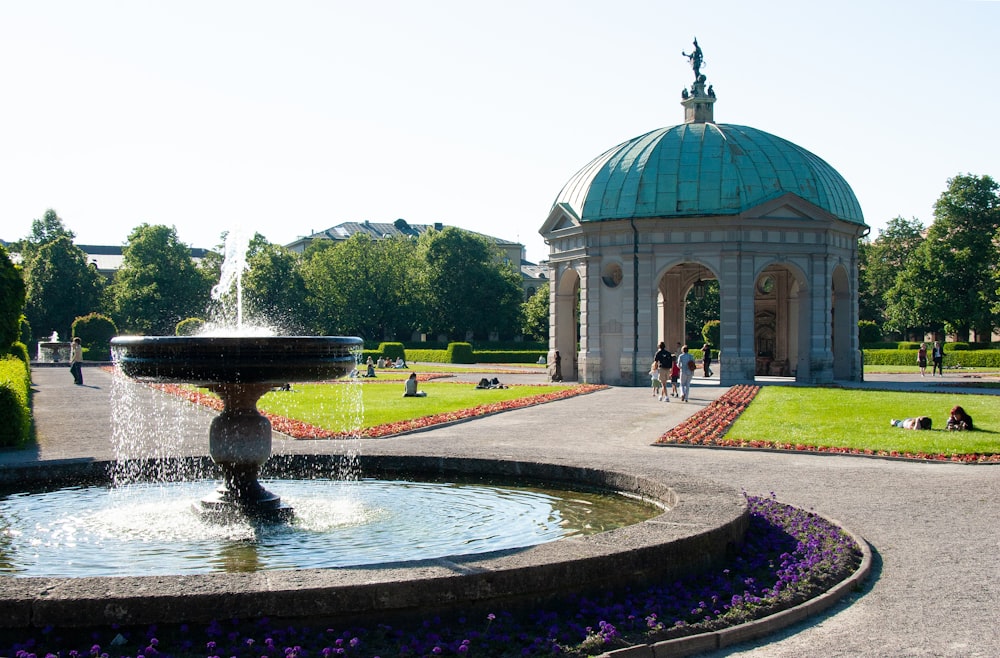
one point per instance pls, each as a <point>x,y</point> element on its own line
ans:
<point>934,528</point>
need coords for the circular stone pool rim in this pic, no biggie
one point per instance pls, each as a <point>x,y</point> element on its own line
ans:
<point>701,524</point>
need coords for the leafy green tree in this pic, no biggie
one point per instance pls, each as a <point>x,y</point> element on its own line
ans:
<point>535,312</point>
<point>363,287</point>
<point>12,296</point>
<point>158,284</point>
<point>881,261</point>
<point>61,286</point>
<point>274,291</point>
<point>949,284</point>
<point>469,286</point>
<point>44,230</point>
<point>700,311</point>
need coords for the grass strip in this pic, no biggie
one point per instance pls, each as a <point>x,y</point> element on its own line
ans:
<point>847,421</point>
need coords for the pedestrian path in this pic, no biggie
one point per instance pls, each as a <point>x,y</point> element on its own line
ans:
<point>933,527</point>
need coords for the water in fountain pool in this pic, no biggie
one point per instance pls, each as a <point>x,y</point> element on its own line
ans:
<point>153,530</point>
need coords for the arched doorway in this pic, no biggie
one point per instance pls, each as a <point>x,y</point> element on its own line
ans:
<point>565,321</point>
<point>676,287</point>
<point>778,318</point>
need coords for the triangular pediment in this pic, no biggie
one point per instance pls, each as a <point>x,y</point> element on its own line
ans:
<point>788,206</point>
<point>560,218</point>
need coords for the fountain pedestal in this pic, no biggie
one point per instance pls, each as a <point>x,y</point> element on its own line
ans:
<point>239,370</point>
<point>239,442</point>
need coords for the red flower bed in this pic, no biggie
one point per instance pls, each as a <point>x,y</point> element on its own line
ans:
<point>709,426</point>
<point>301,430</point>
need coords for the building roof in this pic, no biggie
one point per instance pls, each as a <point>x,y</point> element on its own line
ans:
<point>378,230</point>
<point>703,169</point>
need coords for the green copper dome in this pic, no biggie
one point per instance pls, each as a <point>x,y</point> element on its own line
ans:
<point>699,169</point>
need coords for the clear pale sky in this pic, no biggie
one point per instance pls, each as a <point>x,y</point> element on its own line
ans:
<point>290,117</point>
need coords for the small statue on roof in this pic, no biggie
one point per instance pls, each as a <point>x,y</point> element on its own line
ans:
<point>684,93</point>
<point>696,59</point>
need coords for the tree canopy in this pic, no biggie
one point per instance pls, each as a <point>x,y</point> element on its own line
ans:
<point>158,284</point>
<point>61,286</point>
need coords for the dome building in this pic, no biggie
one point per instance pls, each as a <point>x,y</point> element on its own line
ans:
<point>647,222</point>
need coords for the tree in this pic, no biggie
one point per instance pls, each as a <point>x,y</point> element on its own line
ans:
<point>274,292</point>
<point>700,311</point>
<point>535,312</point>
<point>158,284</point>
<point>12,296</point>
<point>363,286</point>
<point>61,286</point>
<point>44,230</point>
<point>881,261</point>
<point>948,284</point>
<point>470,288</point>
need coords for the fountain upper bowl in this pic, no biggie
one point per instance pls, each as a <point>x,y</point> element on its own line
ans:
<point>207,360</point>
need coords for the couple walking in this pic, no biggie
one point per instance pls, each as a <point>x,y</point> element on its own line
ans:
<point>663,362</point>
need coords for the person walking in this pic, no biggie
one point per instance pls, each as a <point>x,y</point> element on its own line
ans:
<point>76,361</point>
<point>706,360</point>
<point>922,359</point>
<point>937,357</point>
<point>663,360</point>
<point>687,365</point>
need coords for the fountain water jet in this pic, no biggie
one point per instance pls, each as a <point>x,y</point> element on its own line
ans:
<point>239,369</point>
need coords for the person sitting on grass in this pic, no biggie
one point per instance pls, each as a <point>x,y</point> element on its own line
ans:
<point>400,363</point>
<point>410,388</point>
<point>958,420</point>
<point>918,423</point>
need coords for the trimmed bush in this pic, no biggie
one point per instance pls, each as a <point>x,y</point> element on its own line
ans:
<point>189,327</point>
<point>20,350</point>
<point>428,356</point>
<point>392,351</point>
<point>907,345</point>
<point>15,389</point>
<point>95,332</point>
<point>711,333</point>
<point>460,353</point>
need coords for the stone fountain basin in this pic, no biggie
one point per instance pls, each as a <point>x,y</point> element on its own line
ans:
<point>701,523</point>
<point>207,360</point>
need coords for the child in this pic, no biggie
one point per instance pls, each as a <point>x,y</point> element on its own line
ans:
<point>654,378</point>
<point>675,374</point>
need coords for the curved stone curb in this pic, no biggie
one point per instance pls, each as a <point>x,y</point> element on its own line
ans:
<point>700,523</point>
<point>693,644</point>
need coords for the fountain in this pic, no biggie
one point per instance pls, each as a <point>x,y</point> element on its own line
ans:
<point>53,350</point>
<point>239,369</point>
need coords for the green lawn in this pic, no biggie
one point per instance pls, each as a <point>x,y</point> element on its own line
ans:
<point>336,406</point>
<point>859,419</point>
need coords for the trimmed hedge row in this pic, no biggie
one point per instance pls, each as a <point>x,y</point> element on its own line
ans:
<point>952,358</point>
<point>456,353</point>
<point>15,391</point>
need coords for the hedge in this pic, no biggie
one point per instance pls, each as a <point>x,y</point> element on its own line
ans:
<point>952,359</point>
<point>15,387</point>
<point>95,332</point>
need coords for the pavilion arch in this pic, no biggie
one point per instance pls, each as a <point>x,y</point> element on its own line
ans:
<point>565,321</point>
<point>673,284</point>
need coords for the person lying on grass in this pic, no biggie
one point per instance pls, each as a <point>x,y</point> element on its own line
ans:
<point>959,420</point>
<point>918,423</point>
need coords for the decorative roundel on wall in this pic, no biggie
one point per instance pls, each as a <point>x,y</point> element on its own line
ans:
<point>612,275</point>
<point>766,285</point>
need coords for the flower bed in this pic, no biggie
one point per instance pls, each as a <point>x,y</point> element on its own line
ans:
<point>709,426</point>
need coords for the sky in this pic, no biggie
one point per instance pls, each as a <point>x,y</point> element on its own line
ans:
<point>290,117</point>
